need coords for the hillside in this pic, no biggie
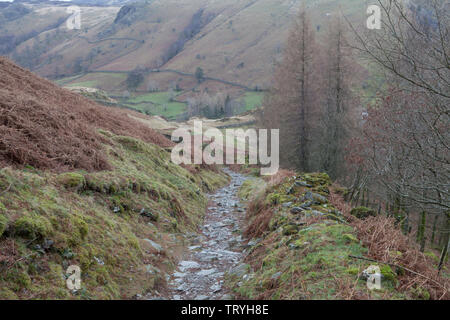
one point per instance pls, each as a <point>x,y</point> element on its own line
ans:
<point>93,186</point>
<point>307,243</point>
<point>42,128</point>
<point>94,207</point>
<point>86,185</point>
<point>235,41</point>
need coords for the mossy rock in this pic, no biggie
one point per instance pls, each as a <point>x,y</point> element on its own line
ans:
<point>290,229</point>
<point>362,212</point>
<point>318,179</point>
<point>353,271</point>
<point>3,224</point>
<point>71,180</point>
<point>388,273</point>
<point>350,238</point>
<point>277,221</point>
<point>276,198</point>
<point>322,190</point>
<point>334,217</point>
<point>33,226</point>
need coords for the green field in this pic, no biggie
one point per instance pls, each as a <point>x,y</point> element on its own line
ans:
<point>88,84</point>
<point>99,80</point>
<point>156,97</point>
<point>253,100</point>
<point>157,103</point>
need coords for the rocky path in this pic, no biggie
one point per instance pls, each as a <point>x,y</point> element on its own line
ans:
<point>215,251</point>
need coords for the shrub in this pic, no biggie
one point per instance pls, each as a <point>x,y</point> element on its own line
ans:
<point>362,212</point>
<point>33,226</point>
<point>71,180</point>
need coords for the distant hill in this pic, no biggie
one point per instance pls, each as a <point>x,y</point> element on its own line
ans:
<point>235,41</point>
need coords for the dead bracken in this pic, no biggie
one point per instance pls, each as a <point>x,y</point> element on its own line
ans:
<point>46,127</point>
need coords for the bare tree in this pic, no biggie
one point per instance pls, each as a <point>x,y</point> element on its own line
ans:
<point>406,138</point>
<point>337,101</point>
<point>289,106</point>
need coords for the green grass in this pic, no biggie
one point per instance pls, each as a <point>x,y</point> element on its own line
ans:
<point>99,80</point>
<point>156,97</point>
<point>253,100</point>
<point>92,217</point>
<point>310,261</point>
<point>66,80</point>
<point>88,84</point>
<point>157,103</point>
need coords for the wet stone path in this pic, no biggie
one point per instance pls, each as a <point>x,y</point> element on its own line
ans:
<point>215,251</point>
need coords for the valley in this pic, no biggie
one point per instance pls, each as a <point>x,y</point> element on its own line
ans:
<point>234,43</point>
<point>95,206</point>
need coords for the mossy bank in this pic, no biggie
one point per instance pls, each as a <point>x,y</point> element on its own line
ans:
<point>300,245</point>
<point>122,227</point>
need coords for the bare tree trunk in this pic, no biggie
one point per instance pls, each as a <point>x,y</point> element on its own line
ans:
<point>446,242</point>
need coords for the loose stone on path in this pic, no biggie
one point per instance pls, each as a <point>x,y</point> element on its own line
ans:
<point>218,249</point>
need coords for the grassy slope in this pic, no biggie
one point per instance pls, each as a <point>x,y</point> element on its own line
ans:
<point>253,35</point>
<point>244,32</point>
<point>238,45</point>
<point>294,261</point>
<point>94,221</point>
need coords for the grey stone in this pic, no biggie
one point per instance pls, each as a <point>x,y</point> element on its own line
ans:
<point>99,261</point>
<point>154,245</point>
<point>189,264</point>
<point>216,288</point>
<point>296,210</point>
<point>183,287</point>
<point>146,213</point>
<point>47,244</point>
<point>240,270</point>
<point>152,269</point>
<point>275,276</point>
<point>317,198</point>
<point>307,204</point>
<point>302,184</point>
<point>207,272</point>
<point>316,213</point>
<point>254,242</point>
